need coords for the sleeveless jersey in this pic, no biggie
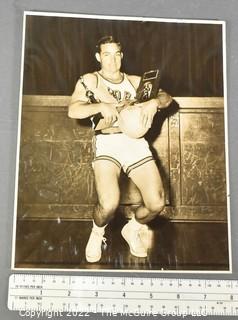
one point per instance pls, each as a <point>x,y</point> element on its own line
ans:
<point>109,92</point>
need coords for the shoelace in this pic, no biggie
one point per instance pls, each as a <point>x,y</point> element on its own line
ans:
<point>143,230</point>
<point>138,234</point>
<point>104,240</point>
<point>146,236</point>
<point>104,243</point>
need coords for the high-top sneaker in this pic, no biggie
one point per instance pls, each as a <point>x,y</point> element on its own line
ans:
<point>93,251</point>
<point>134,233</point>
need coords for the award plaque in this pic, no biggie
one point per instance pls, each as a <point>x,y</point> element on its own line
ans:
<point>149,86</point>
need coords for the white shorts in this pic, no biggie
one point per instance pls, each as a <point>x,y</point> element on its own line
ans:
<point>125,152</point>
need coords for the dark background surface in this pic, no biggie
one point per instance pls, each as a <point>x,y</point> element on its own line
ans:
<point>11,12</point>
<point>60,49</point>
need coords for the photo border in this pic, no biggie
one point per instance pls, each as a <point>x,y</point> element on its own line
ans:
<point>125,18</point>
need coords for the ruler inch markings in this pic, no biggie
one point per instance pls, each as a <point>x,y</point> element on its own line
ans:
<point>122,294</point>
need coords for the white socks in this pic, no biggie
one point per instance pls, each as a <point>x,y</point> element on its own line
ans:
<point>100,230</point>
<point>133,223</point>
<point>136,225</point>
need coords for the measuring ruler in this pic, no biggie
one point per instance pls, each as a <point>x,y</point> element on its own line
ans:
<point>81,295</point>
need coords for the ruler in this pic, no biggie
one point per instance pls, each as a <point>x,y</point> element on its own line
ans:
<point>82,295</point>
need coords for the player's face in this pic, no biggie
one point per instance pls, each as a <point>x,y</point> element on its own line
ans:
<point>110,57</point>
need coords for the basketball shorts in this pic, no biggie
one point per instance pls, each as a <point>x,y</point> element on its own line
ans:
<point>125,152</point>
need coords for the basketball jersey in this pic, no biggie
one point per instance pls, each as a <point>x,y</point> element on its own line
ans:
<point>109,92</point>
<point>122,91</point>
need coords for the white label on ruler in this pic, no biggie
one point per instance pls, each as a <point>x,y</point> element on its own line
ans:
<point>123,295</point>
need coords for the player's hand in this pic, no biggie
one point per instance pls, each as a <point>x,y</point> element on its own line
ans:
<point>109,112</point>
<point>148,110</point>
<point>164,99</point>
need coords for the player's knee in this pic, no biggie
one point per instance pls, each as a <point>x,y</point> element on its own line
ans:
<point>156,205</point>
<point>108,208</point>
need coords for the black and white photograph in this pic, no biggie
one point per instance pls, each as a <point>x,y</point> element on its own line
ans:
<point>122,145</point>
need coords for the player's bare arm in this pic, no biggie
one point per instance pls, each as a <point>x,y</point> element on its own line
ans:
<point>80,108</point>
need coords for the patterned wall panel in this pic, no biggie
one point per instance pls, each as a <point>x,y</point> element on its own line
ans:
<point>56,178</point>
<point>203,159</point>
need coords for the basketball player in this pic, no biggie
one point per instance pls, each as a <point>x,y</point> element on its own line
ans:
<point>115,151</point>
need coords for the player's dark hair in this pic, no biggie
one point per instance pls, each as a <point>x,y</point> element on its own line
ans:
<point>106,39</point>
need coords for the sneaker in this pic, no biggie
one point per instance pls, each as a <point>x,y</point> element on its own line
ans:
<point>133,237</point>
<point>147,236</point>
<point>93,251</point>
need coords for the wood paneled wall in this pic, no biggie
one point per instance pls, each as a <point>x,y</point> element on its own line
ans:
<point>56,179</point>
